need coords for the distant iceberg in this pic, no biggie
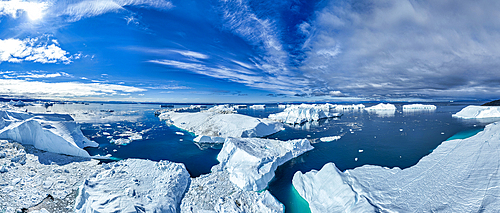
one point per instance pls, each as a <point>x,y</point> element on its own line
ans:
<point>257,107</point>
<point>478,112</point>
<point>458,176</point>
<point>381,106</point>
<point>56,133</point>
<point>221,122</point>
<point>415,107</point>
<point>251,162</point>
<point>134,185</point>
<point>302,113</point>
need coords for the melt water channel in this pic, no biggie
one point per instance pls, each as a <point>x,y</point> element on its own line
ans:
<point>398,139</point>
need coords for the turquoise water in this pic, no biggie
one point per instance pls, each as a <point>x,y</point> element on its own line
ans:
<point>465,134</point>
<point>389,140</point>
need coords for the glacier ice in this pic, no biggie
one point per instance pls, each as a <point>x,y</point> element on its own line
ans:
<point>134,185</point>
<point>209,139</point>
<point>56,133</point>
<point>298,114</point>
<point>460,175</point>
<point>478,112</point>
<point>215,123</point>
<point>251,162</point>
<point>381,106</point>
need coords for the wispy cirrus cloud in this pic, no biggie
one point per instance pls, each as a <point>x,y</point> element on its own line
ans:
<point>33,49</point>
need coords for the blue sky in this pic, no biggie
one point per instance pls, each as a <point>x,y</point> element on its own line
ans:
<point>249,51</point>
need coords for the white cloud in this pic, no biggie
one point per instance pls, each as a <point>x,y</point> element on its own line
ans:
<point>90,8</point>
<point>170,87</point>
<point>188,53</point>
<point>31,49</point>
<point>34,10</point>
<point>36,89</point>
<point>40,75</point>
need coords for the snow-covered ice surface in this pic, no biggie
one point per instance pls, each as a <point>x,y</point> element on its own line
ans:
<point>214,192</point>
<point>251,162</point>
<point>28,176</point>
<point>134,185</point>
<point>298,114</point>
<point>414,107</point>
<point>214,123</point>
<point>56,133</point>
<point>478,112</point>
<point>458,176</point>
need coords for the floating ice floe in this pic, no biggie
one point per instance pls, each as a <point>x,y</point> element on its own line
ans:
<point>134,185</point>
<point>302,113</point>
<point>418,107</point>
<point>215,193</point>
<point>29,176</point>
<point>257,107</point>
<point>478,112</point>
<point>251,162</point>
<point>56,133</point>
<point>330,139</point>
<point>210,123</point>
<point>458,176</point>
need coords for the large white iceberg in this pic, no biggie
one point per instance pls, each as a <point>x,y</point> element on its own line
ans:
<point>56,133</point>
<point>134,185</point>
<point>302,113</point>
<point>478,112</point>
<point>210,123</point>
<point>214,192</point>
<point>251,162</point>
<point>381,106</point>
<point>458,176</point>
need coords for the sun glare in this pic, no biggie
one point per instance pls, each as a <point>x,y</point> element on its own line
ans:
<point>35,12</point>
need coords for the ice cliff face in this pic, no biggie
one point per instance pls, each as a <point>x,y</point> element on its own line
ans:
<point>458,176</point>
<point>134,185</point>
<point>302,113</point>
<point>479,112</point>
<point>56,133</point>
<point>251,162</point>
<point>210,123</point>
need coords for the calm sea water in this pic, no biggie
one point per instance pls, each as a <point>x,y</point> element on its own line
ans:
<point>390,140</point>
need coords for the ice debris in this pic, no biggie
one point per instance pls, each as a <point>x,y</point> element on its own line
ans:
<point>298,114</point>
<point>134,185</point>
<point>458,176</point>
<point>416,107</point>
<point>56,133</point>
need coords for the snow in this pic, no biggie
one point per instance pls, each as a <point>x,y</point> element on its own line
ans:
<point>411,107</point>
<point>214,192</point>
<point>42,174</point>
<point>56,133</point>
<point>458,176</point>
<point>134,185</point>
<point>210,123</point>
<point>302,113</point>
<point>209,139</point>
<point>251,162</point>
<point>478,112</point>
<point>381,106</point>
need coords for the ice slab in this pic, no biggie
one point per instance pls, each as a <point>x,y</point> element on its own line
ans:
<point>381,106</point>
<point>56,133</point>
<point>478,112</point>
<point>257,107</point>
<point>251,162</point>
<point>458,176</point>
<point>134,185</point>
<point>302,113</point>
<point>210,123</point>
<point>214,192</point>
<point>330,138</point>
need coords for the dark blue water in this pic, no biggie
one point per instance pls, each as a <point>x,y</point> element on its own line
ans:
<point>390,140</point>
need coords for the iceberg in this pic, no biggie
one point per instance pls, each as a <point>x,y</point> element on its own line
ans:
<point>302,113</point>
<point>209,139</point>
<point>214,193</point>
<point>460,175</point>
<point>330,138</point>
<point>381,106</point>
<point>214,123</point>
<point>418,107</point>
<point>351,107</point>
<point>134,185</point>
<point>478,112</point>
<point>56,133</point>
<point>257,107</point>
<point>251,162</point>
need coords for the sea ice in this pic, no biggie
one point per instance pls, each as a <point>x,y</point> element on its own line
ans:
<point>134,185</point>
<point>478,112</point>
<point>414,107</point>
<point>210,123</point>
<point>458,176</point>
<point>298,114</point>
<point>257,107</point>
<point>251,162</point>
<point>330,139</point>
<point>56,133</point>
